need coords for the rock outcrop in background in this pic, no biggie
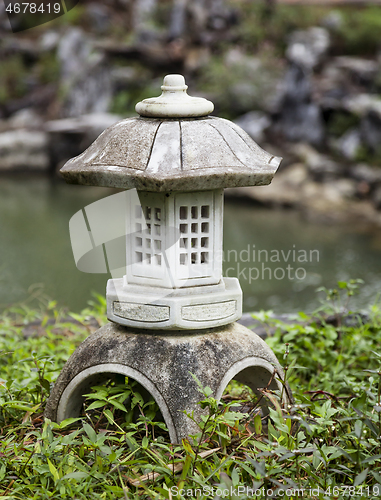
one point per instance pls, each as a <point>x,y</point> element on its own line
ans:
<point>302,81</point>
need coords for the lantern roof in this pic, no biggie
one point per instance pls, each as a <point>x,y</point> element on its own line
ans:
<point>173,146</point>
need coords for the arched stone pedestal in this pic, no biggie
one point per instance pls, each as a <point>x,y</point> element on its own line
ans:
<point>162,364</point>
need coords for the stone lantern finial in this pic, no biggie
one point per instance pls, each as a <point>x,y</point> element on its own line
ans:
<point>174,102</point>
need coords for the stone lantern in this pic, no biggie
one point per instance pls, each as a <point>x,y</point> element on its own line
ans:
<point>172,314</point>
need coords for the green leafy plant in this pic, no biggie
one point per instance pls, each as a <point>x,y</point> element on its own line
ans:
<point>326,443</point>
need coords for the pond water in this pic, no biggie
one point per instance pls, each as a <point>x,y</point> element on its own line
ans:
<point>280,258</point>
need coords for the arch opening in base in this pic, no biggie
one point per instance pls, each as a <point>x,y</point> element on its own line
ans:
<point>72,399</point>
<point>254,374</point>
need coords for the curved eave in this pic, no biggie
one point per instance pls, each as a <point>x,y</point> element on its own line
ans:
<point>196,180</point>
<point>169,155</point>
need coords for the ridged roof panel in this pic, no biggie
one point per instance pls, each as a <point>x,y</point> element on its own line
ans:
<point>172,155</point>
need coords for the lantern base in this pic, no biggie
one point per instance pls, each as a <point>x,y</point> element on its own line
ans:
<point>190,308</point>
<point>163,365</point>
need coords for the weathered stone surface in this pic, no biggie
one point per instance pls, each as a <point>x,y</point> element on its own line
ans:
<point>141,312</point>
<point>215,356</point>
<point>174,102</point>
<point>209,312</point>
<point>212,153</point>
<point>191,308</point>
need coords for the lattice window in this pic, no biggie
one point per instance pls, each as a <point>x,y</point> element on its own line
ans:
<point>198,217</point>
<point>194,227</point>
<point>147,243</point>
<point>174,237</point>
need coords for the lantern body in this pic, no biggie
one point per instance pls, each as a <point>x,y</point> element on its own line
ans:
<point>175,240</point>
<point>174,277</point>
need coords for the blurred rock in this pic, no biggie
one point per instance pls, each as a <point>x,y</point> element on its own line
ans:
<point>376,197</point>
<point>49,40</point>
<point>221,15</point>
<point>177,25</point>
<point>321,167</point>
<point>71,136</point>
<point>85,76</point>
<point>4,21</point>
<point>252,83</point>
<point>349,144</point>
<point>74,49</point>
<point>24,149</point>
<point>333,87</point>
<point>326,169</point>
<point>121,76</point>
<point>143,20</point>
<point>99,17</point>
<point>363,71</point>
<point>361,104</point>
<point>371,130</point>
<point>196,58</point>
<point>91,125</point>
<point>333,21</point>
<point>206,21</point>
<point>308,49</point>
<point>327,200</point>
<point>255,123</point>
<point>236,57</point>
<point>299,119</point>
<point>292,187</point>
<point>365,173</point>
<point>284,190</point>
<point>11,44</point>
<point>25,118</point>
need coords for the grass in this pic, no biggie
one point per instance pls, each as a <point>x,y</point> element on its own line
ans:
<point>326,443</point>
